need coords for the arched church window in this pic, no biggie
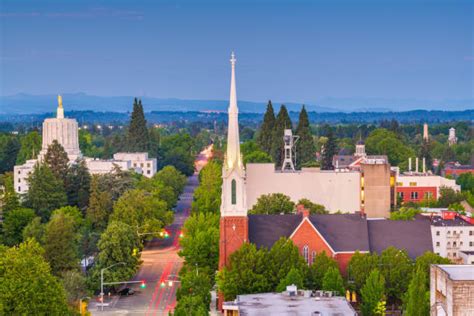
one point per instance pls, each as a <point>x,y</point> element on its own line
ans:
<point>306,253</point>
<point>234,192</point>
<point>313,256</point>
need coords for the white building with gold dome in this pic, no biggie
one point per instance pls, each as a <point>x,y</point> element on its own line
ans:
<point>66,132</point>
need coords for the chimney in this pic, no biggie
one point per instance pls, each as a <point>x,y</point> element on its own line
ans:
<point>424,165</point>
<point>416,164</point>
<point>409,164</point>
<point>300,209</point>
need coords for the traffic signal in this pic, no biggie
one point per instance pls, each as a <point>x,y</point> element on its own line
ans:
<point>181,235</point>
<point>163,284</point>
<point>143,284</point>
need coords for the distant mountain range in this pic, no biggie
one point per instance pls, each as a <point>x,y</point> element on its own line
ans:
<point>33,104</point>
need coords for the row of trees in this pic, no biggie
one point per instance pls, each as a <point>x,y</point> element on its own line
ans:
<point>200,244</point>
<point>102,216</point>
<point>278,203</point>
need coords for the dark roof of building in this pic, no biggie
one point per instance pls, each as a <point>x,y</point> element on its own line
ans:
<point>413,236</point>
<point>265,230</point>
<point>463,167</point>
<point>360,142</point>
<point>344,232</point>
<point>468,252</point>
<point>343,161</point>
<point>457,221</point>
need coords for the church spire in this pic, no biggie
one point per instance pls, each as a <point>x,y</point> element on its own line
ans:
<point>233,158</point>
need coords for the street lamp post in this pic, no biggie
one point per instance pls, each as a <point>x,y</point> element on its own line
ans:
<point>102,283</point>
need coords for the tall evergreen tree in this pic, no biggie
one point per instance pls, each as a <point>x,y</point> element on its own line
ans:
<point>8,153</point>
<point>265,136</point>
<point>372,293</point>
<point>30,147</point>
<point>138,138</point>
<point>329,151</point>
<point>46,192</point>
<point>9,199</point>
<point>425,152</point>
<point>417,297</point>
<point>77,184</point>
<point>305,149</point>
<point>57,160</point>
<point>282,122</point>
<point>100,205</point>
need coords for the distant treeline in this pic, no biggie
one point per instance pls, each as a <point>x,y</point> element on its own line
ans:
<point>8,122</point>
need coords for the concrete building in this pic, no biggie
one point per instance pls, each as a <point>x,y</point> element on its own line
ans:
<point>455,169</point>
<point>452,290</point>
<point>467,257</point>
<point>290,302</point>
<point>66,132</point>
<point>452,234</point>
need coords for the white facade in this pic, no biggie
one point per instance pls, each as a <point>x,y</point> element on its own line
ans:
<point>467,257</point>
<point>337,191</point>
<point>139,162</point>
<point>450,237</point>
<point>21,174</point>
<point>452,139</point>
<point>99,166</point>
<point>233,200</point>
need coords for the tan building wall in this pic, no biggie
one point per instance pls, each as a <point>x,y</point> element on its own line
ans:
<point>375,193</point>
<point>337,191</point>
<point>451,295</point>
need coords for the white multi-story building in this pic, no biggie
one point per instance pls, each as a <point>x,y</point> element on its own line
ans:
<point>452,235</point>
<point>66,132</point>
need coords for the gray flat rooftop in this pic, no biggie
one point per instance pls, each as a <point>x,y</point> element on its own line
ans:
<point>282,304</point>
<point>459,272</point>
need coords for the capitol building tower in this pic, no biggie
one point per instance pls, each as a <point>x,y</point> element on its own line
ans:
<point>64,130</point>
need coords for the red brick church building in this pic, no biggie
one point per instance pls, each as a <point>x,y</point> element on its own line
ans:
<point>339,235</point>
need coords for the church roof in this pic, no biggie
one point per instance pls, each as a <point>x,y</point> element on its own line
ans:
<point>344,232</point>
<point>413,236</point>
<point>265,230</point>
<point>347,232</point>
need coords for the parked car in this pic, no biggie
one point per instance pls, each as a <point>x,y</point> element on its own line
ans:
<point>126,291</point>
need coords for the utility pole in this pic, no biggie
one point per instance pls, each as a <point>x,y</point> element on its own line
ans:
<point>102,283</point>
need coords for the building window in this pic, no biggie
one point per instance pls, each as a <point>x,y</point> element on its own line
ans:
<point>135,164</point>
<point>306,253</point>
<point>400,194</point>
<point>399,184</point>
<point>471,232</point>
<point>141,165</point>
<point>19,180</point>
<point>19,172</point>
<point>413,184</point>
<point>414,195</point>
<point>437,244</point>
<point>449,232</point>
<point>454,254</point>
<point>437,233</point>
<point>234,192</point>
<point>449,244</point>
<point>148,172</point>
<point>428,195</point>
<point>19,189</point>
<point>471,243</point>
<point>148,165</point>
<point>313,256</point>
<point>454,244</point>
<point>437,253</point>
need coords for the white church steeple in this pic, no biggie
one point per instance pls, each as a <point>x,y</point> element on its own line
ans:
<point>233,172</point>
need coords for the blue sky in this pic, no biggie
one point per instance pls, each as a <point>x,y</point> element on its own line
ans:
<point>299,51</point>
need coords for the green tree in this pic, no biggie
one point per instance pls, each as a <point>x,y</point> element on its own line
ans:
<point>321,264</point>
<point>417,299</point>
<point>448,196</point>
<point>305,148</point>
<point>372,293</point>
<point>9,148</point>
<point>197,284</point>
<point>404,214</point>
<point>332,281</point>
<point>30,147</point>
<point>100,206</point>
<point>142,211</point>
<point>265,136</point>
<point>425,152</point>
<point>34,229</point>
<point>360,266</point>
<point>14,223</point>
<point>61,243</point>
<point>118,243</point>
<point>172,177</point>
<point>138,138</point>
<point>75,286</point>
<point>181,159</point>
<point>27,286</point>
<point>385,142</point>
<point>426,260</point>
<point>158,189</point>
<point>46,192</point>
<point>257,157</point>
<point>200,243</point>
<point>77,184</point>
<point>57,160</point>
<point>313,208</point>
<point>275,203</point>
<point>294,277</point>
<point>396,267</point>
<point>191,306</point>
<point>328,151</point>
<point>207,196</point>
<point>8,197</point>
<point>282,122</point>
<point>282,257</point>
<point>466,181</point>
<point>245,273</point>
<point>116,182</point>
